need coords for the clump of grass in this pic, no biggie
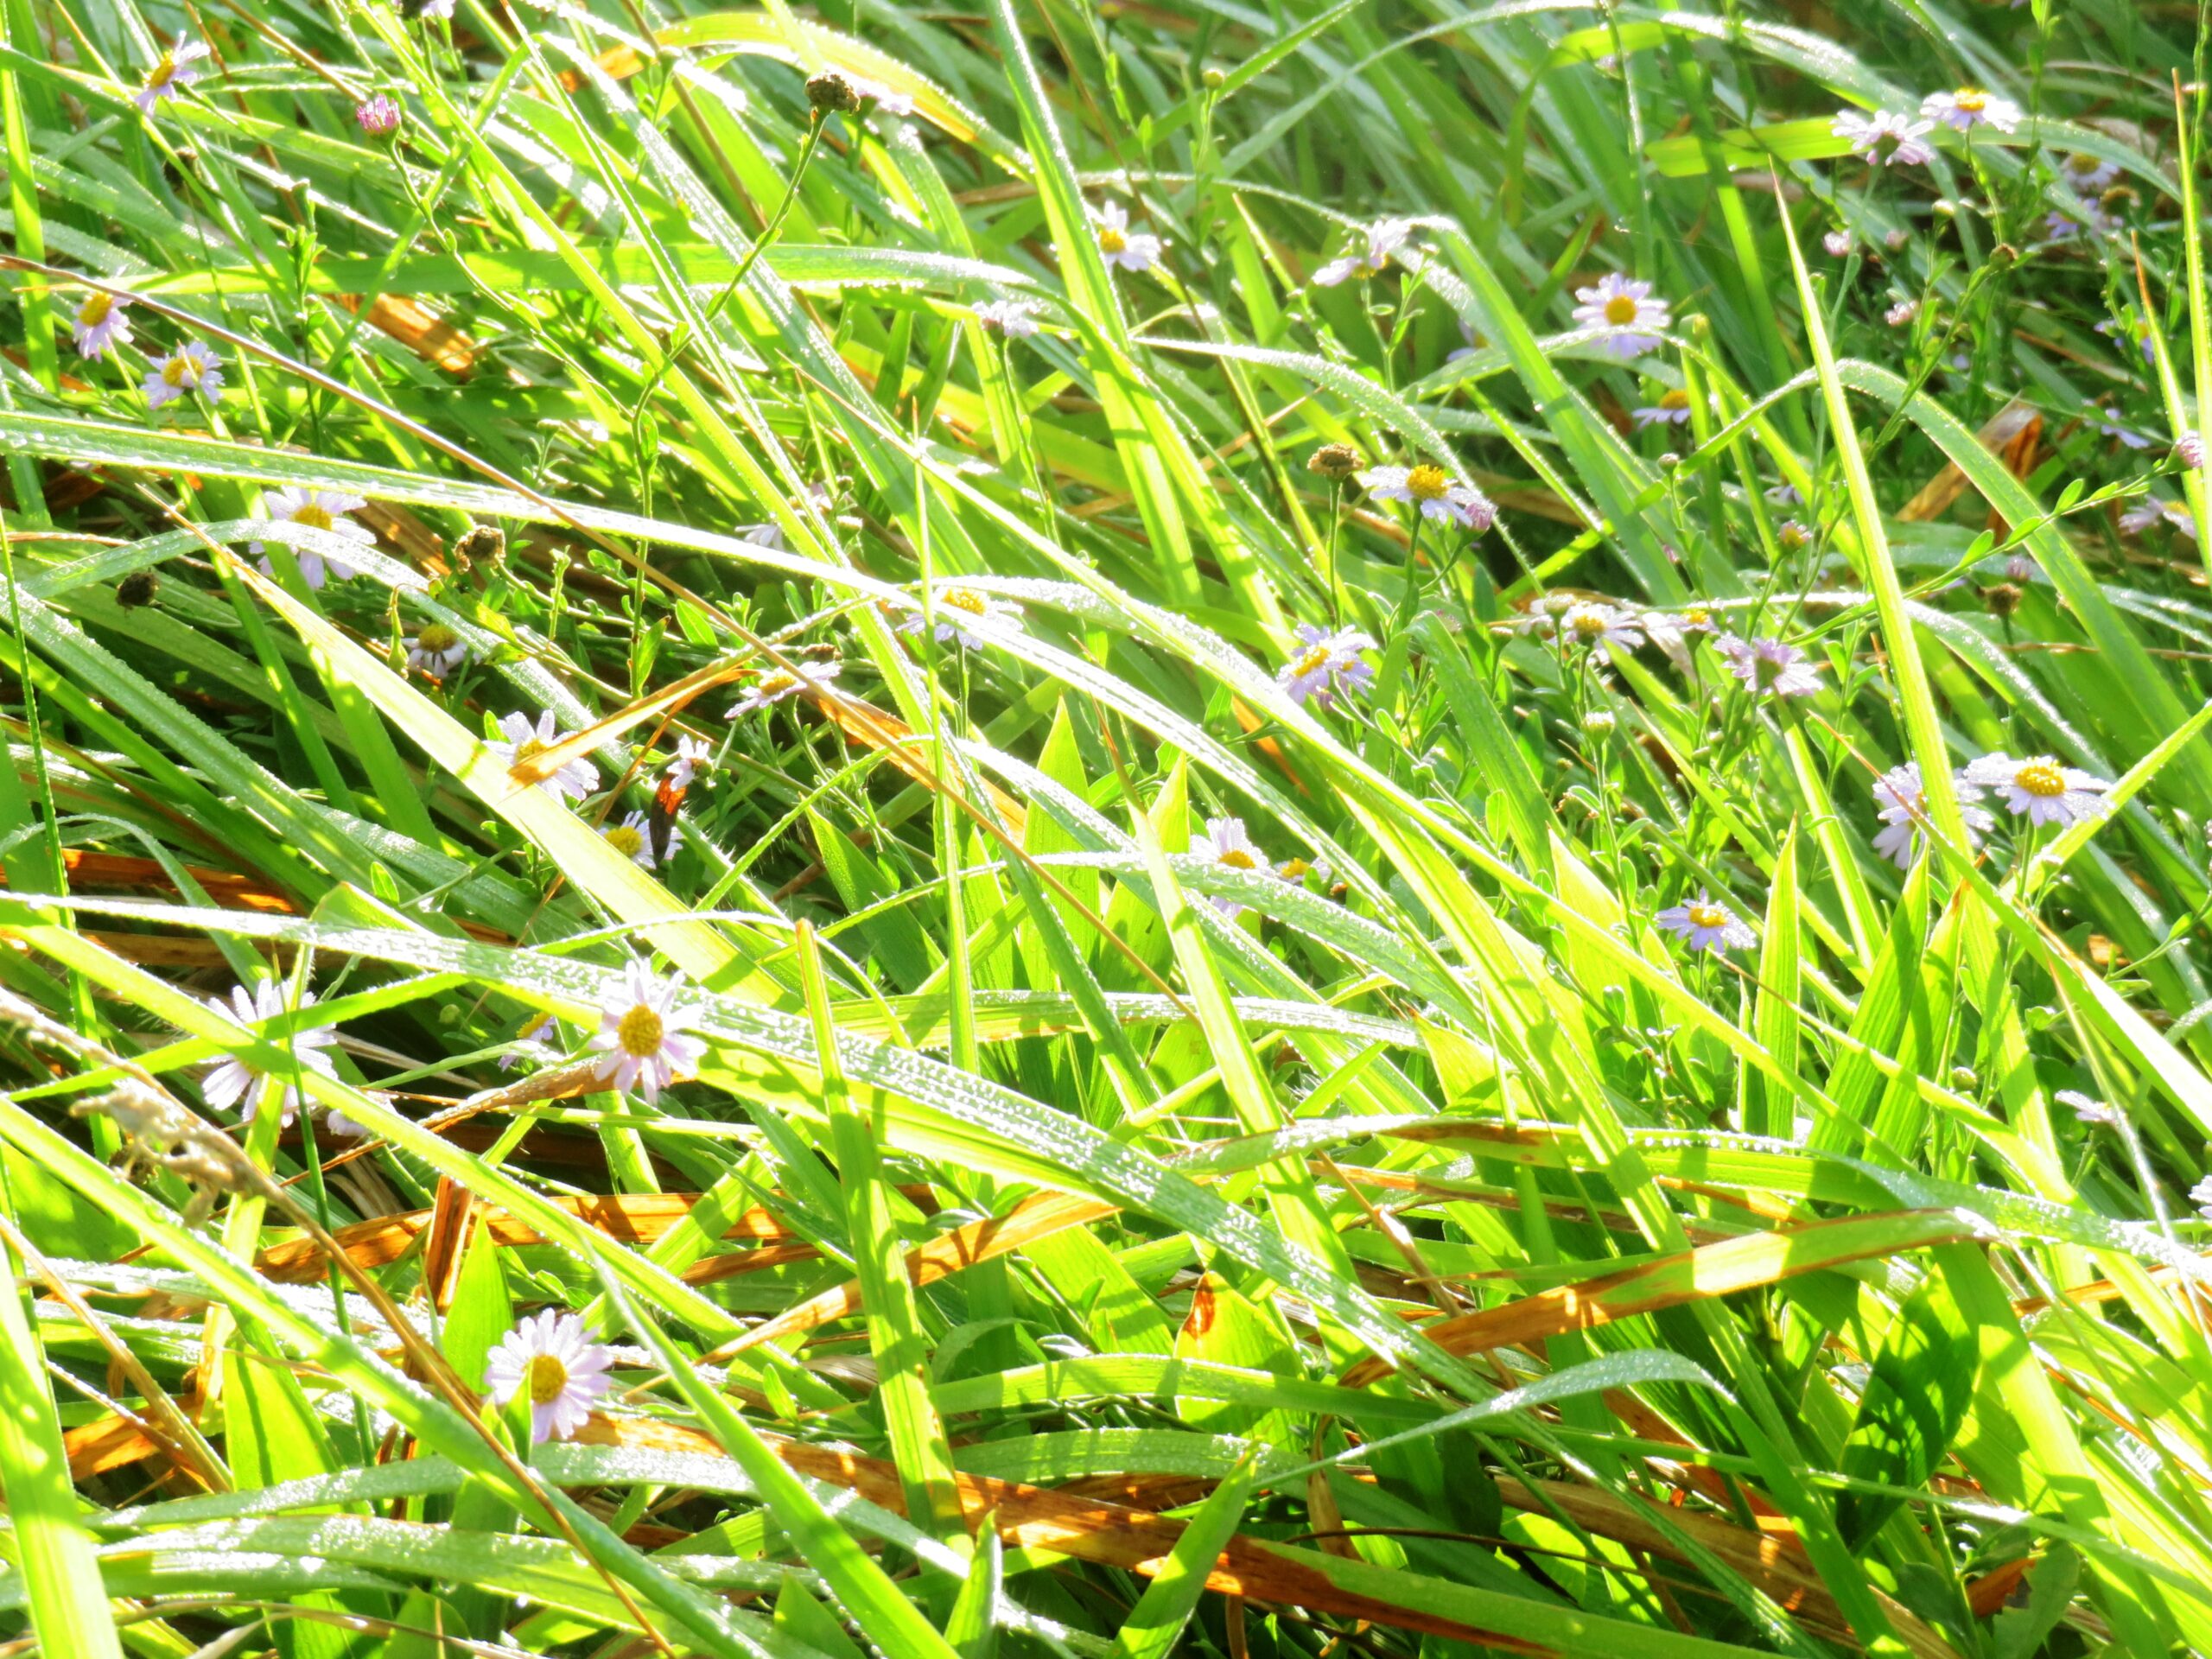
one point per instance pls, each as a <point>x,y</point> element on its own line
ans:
<point>1105,832</point>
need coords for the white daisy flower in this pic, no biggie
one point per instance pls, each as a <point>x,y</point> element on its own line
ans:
<point>1381,239</point>
<point>691,753</point>
<point>436,650</point>
<point>643,1041</point>
<point>1634,322</point>
<point>190,367</point>
<point>1670,629</point>
<point>1970,107</point>
<point>2042,788</point>
<point>1886,138</point>
<point>550,1358</point>
<point>633,839</point>
<point>1015,319</point>
<point>775,685</point>
<point>323,509</point>
<point>1705,925</point>
<point>1434,492</point>
<point>521,742</point>
<point>2092,1112</point>
<point>233,1080</point>
<point>2157,509</point>
<point>1295,870</point>
<point>951,604</point>
<point>1604,629</point>
<point>101,322</point>
<point>1771,666</point>
<point>2087,175</point>
<point>170,73</point>
<point>1673,409</point>
<point>1133,250</point>
<point>1901,804</point>
<point>1327,661</point>
<point>1233,847</point>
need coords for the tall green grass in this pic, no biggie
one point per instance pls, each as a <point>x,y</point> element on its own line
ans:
<point>1219,701</point>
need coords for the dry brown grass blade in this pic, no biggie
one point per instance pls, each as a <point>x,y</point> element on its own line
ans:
<point>868,726</point>
<point>1772,1559</point>
<point>1034,1217</point>
<point>1710,1271</point>
<point>2000,434</point>
<point>421,330</point>
<point>1090,1529</point>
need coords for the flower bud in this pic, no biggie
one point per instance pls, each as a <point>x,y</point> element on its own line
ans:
<point>829,93</point>
<point>1333,460</point>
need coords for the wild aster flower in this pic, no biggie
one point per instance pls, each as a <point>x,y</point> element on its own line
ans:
<point>2128,435</point>
<point>2201,1196</point>
<point>1604,629</point>
<point>169,74</point>
<point>2021,568</point>
<point>776,683</point>
<point>1434,492</point>
<point>1295,870</point>
<point>548,1358</point>
<point>633,839</point>
<point>2061,227</point>
<point>1794,534</point>
<point>1634,321</point>
<point>1668,629</point>
<point>1894,240</point>
<point>2157,509</point>
<point>1705,925</point>
<point>1784,495</point>
<point>2188,449</point>
<point>1383,239</point>
<point>2087,175</point>
<point>1133,250</point>
<point>1838,243</point>
<point>2042,788</point>
<point>1771,667</point>
<point>1233,848</point>
<point>234,1081</point>
<point>963,602</point>
<point>2087,1110</point>
<point>101,322</point>
<point>536,1044</point>
<point>1902,312</point>
<point>1970,107</point>
<point>2135,329</point>
<point>691,753</point>
<point>642,1039</point>
<point>323,510</point>
<point>1672,409</point>
<point>1015,319</point>
<point>190,367</point>
<point>1901,804</point>
<point>436,649</point>
<point>888,100</point>
<point>435,9</point>
<point>1326,663</point>
<point>1885,138</point>
<point>379,116</point>
<point>522,741</point>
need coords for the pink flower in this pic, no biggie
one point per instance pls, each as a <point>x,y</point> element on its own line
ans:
<point>1771,666</point>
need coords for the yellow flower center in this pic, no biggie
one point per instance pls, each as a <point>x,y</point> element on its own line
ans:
<point>1676,399</point>
<point>437,638</point>
<point>529,749</point>
<point>94,311</point>
<point>1706,915</point>
<point>965,599</point>
<point>625,839</point>
<point>1621,309</point>
<point>179,369</point>
<point>1295,870</point>
<point>774,684</point>
<point>1972,99</point>
<point>164,67</point>
<point>1111,240</point>
<point>2079,162</point>
<point>2041,778</point>
<point>1428,483</point>
<point>547,1377</point>
<point>1310,662</point>
<point>640,1032</point>
<point>1793,535</point>
<point>1697,617</point>
<point>1237,859</point>
<point>313,516</point>
<point>1588,624</point>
